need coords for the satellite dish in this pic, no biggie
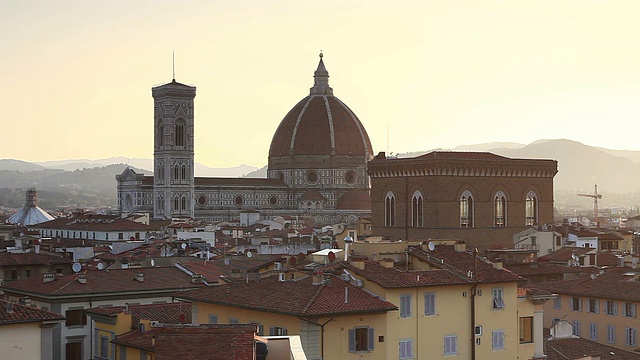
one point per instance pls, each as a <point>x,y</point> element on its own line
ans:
<point>431,246</point>
<point>348,239</point>
<point>100,266</point>
<point>332,256</point>
<point>249,254</point>
<point>153,262</point>
<point>76,267</point>
<point>574,257</point>
<point>226,261</point>
<point>183,246</point>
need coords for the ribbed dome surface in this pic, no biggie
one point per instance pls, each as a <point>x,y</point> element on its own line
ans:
<point>320,125</point>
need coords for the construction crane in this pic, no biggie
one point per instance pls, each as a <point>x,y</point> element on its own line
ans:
<point>595,197</point>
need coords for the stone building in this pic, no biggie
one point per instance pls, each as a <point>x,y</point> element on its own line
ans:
<point>317,164</point>
<point>478,197</point>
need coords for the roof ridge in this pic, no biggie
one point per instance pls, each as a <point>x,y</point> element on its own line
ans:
<point>313,298</point>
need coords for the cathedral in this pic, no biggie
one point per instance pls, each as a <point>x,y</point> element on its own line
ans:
<point>317,164</point>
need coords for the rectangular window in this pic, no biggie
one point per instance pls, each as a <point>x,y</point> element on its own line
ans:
<point>593,306</point>
<point>277,331</point>
<point>629,310</point>
<point>213,319</point>
<point>526,329</point>
<point>450,344</point>
<point>498,299</point>
<point>75,317</point>
<point>630,336</point>
<point>123,352</point>
<point>576,328</point>
<point>593,331</point>
<point>576,304</point>
<point>234,321</point>
<point>429,304</point>
<point>104,346</point>
<point>497,340</point>
<point>14,274</point>
<point>557,302</point>
<point>259,328</point>
<point>406,349</point>
<point>611,334</point>
<point>612,308</point>
<point>361,339</point>
<point>27,273</point>
<point>405,306</point>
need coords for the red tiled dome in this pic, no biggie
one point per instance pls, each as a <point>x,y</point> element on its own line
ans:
<point>320,124</point>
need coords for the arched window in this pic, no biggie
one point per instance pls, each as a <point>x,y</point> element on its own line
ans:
<point>417,213</point>
<point>176,172</point>
<point>466,209</point>
<point>184,204</point>
<point>176,205</point>
<point>179,133</point>
<point>390,210</point>
<point>184,172</point>
<point>499,209</point>
<point>531,209</point>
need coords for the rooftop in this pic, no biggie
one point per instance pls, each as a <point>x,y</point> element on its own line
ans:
<point>295,297</point>
<point>12,313</point>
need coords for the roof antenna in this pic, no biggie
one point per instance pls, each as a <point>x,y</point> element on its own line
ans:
<point>174,65</point>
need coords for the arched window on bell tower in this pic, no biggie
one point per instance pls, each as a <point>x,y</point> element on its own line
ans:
<point>179,133</point>
<point>417,210</point>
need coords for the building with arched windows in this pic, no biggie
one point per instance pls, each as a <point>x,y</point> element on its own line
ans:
<point>317,164</point>
<point>478,197</point>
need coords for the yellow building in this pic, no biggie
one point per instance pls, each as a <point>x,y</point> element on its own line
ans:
<point>335,319</point>
<point>601,307</point>
<point>427,304</point>
<point>26,332</point>
<point>452,303</point>
<point>113,321</point>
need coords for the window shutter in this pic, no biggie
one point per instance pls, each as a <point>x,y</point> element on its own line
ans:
<point>494,340</point>
<point>447,345</point>
<point>352,340</point>
<point>454,344</point>
<point>615,308</point>
<point>624,310</point>
<point>272,331</point>
<point>626,335</point>
<point>597,306</point>
<point>370,343</point>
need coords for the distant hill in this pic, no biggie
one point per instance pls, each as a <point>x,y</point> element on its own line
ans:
<point>141,163</point>
<point>92,182</point>
<point>19,165</point>
<point>81,188</point>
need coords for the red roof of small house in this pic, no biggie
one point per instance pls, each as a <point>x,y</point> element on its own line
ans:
<point>12,313</point>
<point>168,313</point>
<point>298,297</point>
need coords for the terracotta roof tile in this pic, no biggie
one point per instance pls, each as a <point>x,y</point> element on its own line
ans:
<point>24,314</point>
<point>577,348</point>
<point>165,313</point>
<point>296,297</point>
<point>18,259</point>
<point>564,254</point>
<point>104,282</point>
<point>616,283</point>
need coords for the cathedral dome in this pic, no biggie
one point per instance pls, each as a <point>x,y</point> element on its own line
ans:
<point>320,124</point>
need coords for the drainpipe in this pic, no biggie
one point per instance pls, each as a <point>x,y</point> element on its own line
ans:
<point>473,322</point>
<point>321,333</point>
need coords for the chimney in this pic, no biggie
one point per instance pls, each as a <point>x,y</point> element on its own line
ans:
<point>347,243</point>
<point>317,278</point>
<point>139,277</point>
<point>82,279</point>
<point>346,295</point>
<point>460,246</point>
<point>195,279</point>
<point>49,278</point>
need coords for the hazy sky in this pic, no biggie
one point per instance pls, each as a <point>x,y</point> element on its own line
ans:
<point>77,75</point>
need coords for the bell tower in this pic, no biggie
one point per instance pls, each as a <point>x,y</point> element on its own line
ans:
<point>173,179</point>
